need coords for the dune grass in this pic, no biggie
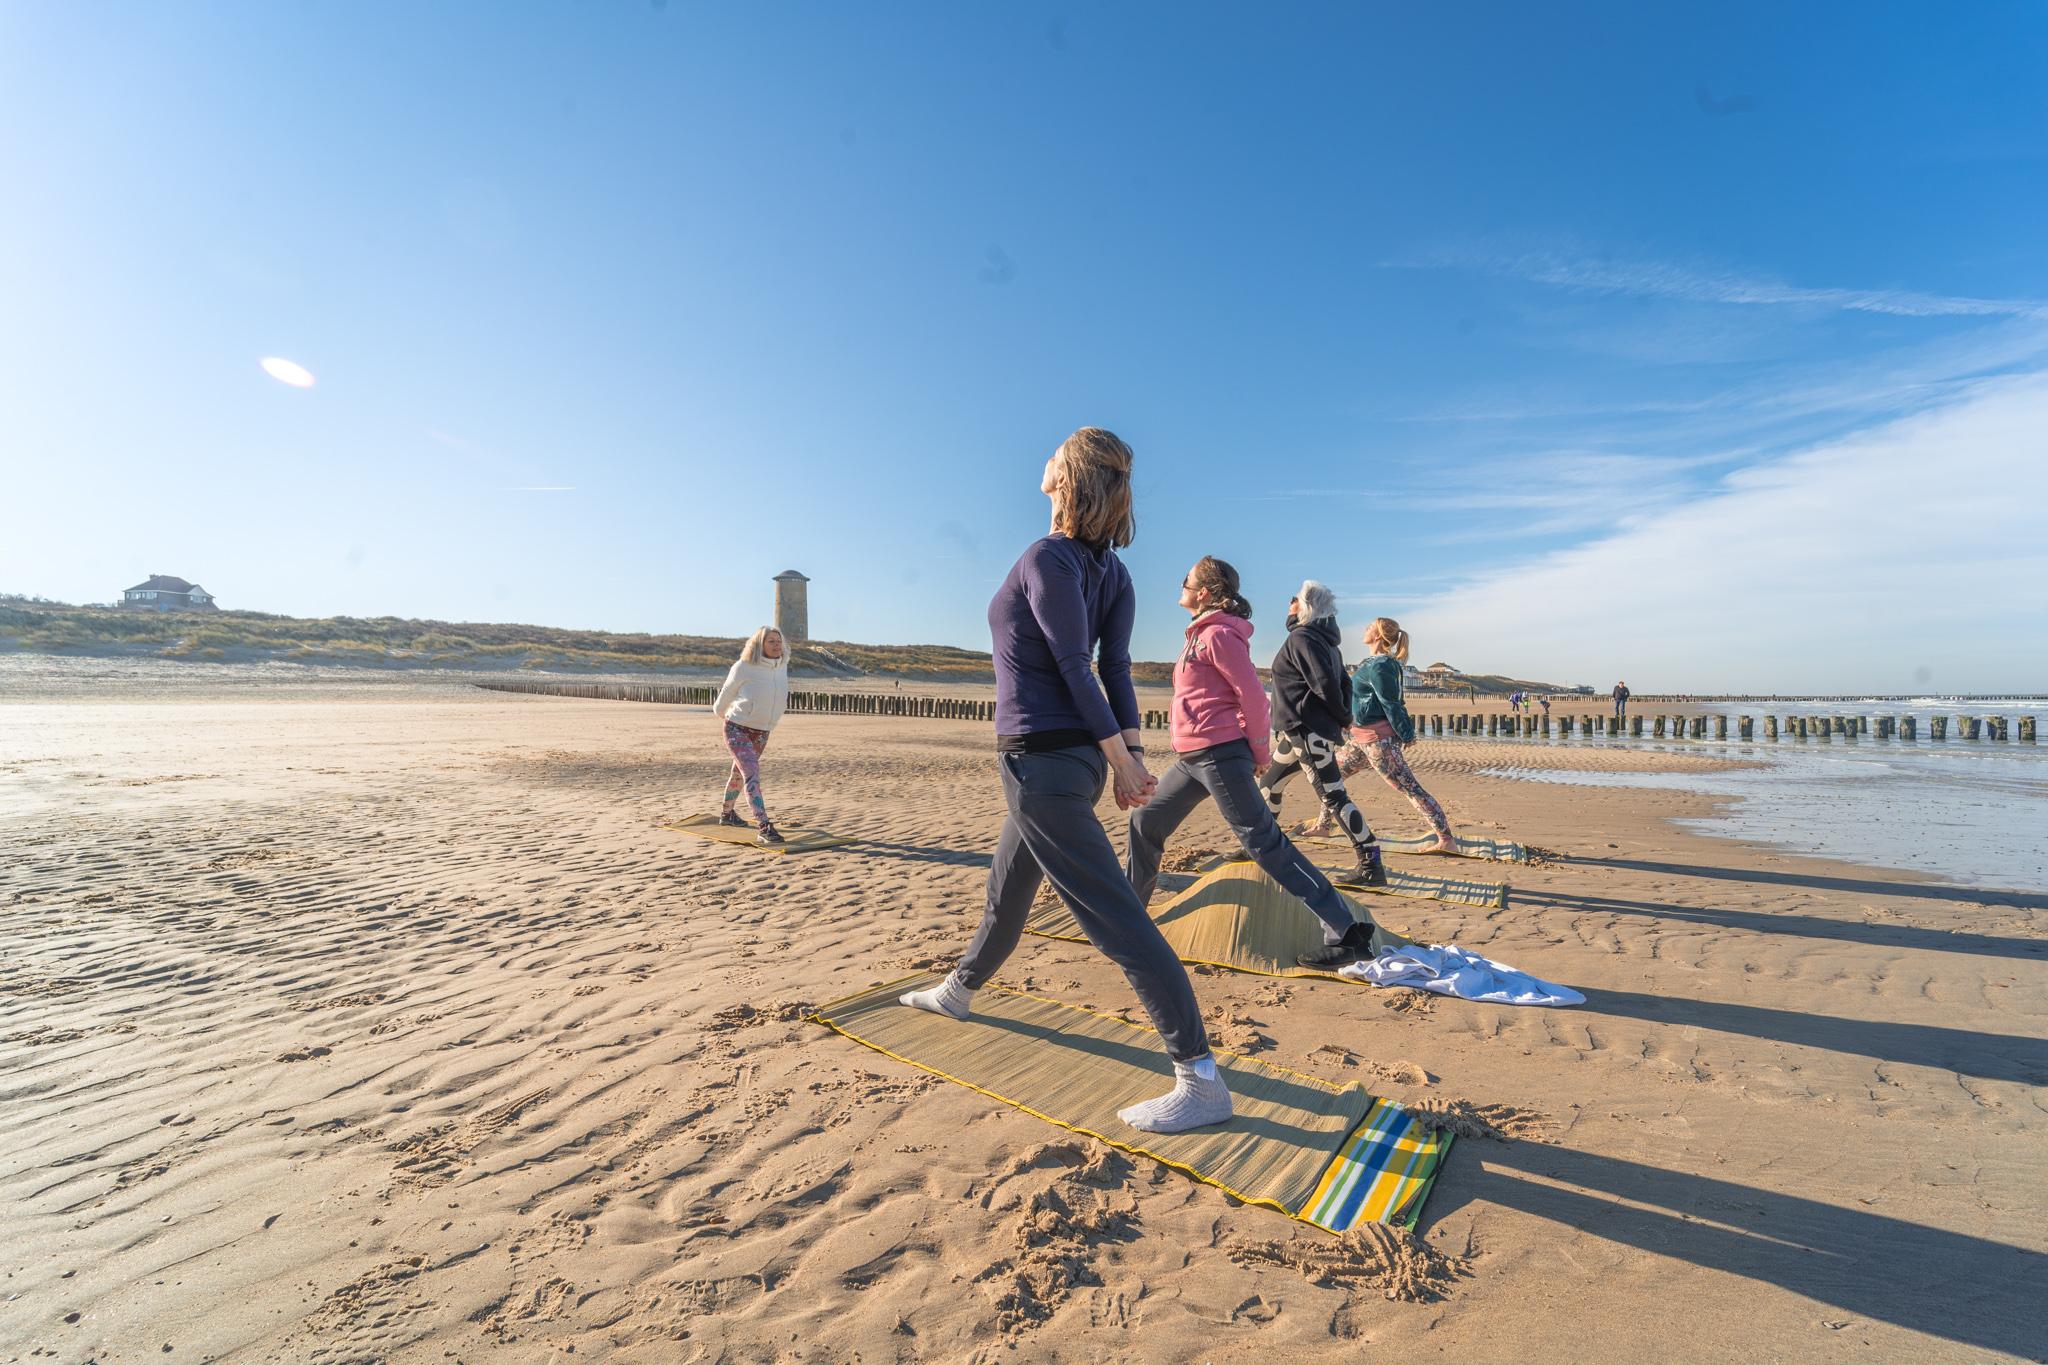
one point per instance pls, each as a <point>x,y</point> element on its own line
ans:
<point>395,642</point>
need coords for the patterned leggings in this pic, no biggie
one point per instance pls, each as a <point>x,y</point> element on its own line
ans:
<point>746,745</point>
<point>1302,752</point>
<point>1384,757</point>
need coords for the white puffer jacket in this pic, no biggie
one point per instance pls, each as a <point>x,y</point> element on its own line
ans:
<point>754,694</point>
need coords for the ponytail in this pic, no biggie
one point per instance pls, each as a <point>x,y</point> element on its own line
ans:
<point>1392,636</point>
<point>1219,583</point>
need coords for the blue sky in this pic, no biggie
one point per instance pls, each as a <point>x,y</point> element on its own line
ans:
<point>1704,347</point>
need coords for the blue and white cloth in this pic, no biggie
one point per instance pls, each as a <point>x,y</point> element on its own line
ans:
<point>1447,969</point>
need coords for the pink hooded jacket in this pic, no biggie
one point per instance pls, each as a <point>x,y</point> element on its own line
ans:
<point>1217,696</point>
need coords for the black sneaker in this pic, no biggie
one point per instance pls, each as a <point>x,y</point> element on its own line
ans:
<point>1355,946</point>
<point>768,836</point>
<point>1369,870</point>
<point>731,820</point>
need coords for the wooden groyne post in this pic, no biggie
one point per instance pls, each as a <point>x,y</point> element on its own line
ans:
<point>819,703</point>
<point>1851,727</point>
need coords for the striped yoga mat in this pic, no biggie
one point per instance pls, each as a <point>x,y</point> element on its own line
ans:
<point>1456,890</point>
<point>1330,1155</point>
<point>1487,850</point>
<point>795,838</point>
<point>1233,916</point>
<point>1400,882</point>
<point>1383,1174</point>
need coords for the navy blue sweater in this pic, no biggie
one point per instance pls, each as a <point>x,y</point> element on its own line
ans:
<point>1063,605</point>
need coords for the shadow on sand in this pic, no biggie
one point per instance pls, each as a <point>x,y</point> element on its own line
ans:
<point>917,853</point>
<point>1947,1284</point>
<point>1859,886</point>
<point>1876,934</point>
<point>1990,1056</point>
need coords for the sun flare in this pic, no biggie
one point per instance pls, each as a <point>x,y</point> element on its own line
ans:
<point>287,372</point>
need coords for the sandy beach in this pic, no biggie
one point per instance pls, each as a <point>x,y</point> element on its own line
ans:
<point>387,1024</point>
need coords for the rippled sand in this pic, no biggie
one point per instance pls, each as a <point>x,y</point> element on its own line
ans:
<point>390,1026</point>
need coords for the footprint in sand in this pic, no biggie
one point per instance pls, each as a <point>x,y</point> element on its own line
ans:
<point>1501,1122</point>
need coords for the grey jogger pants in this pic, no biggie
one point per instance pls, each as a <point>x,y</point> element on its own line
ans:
<point>1224,771</point>
<point>1053,831</point>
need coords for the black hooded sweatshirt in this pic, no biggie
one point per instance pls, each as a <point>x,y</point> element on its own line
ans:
<point>1311,689</point>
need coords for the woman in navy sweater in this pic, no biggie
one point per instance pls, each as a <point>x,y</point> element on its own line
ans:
<point>1059,736</point>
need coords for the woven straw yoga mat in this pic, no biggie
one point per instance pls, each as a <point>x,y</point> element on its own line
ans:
<point>1486,850</point>
<point>1336,864</point>
<point>1455,890</point>
<point>1234,916</point>
<point>1294,1142</point>
<point>793,840</point>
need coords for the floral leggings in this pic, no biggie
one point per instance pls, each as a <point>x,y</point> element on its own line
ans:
<point>1384,757</point>
<point>746,745</point>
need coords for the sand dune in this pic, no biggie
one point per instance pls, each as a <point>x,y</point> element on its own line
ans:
<point>394,1028</point>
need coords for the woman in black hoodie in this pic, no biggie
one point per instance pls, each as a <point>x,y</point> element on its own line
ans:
<point>1311,708</point>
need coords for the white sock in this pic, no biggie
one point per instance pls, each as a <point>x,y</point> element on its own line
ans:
<point>1198,1098</point>
<point>949,998</point>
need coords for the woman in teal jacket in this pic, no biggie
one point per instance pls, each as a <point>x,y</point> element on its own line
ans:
<point>1380,725</point>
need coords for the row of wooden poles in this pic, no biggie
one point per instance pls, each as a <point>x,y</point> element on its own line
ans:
<point>826,703</point>
<point>1695,727</point>
<point>1470,725</point>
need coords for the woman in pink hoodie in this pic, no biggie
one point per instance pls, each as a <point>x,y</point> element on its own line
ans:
<point>1219,731</point>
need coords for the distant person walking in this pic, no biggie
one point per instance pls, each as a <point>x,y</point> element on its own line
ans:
<point>755,694</point>
<point>1059,735</point>
<point>1220,722</point>
<point>1544,702</point>
<point>1311,708</point>
<point>1381,727</point>
<point>1621,695</point>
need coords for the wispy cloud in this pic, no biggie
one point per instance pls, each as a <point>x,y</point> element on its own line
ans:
<point>1855,389</point>
<point>1847,564</point>
<point>1653,279</point>
<point>1294,494</point>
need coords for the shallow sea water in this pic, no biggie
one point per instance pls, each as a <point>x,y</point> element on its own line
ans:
<point>1973,813</point>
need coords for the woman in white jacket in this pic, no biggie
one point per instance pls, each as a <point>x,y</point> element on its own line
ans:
<point>755,692</point>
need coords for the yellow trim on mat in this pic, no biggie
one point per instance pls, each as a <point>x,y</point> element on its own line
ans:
<point>796,841</point>
<point>818,1016</point>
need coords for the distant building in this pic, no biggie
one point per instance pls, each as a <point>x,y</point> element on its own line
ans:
<point>1441,673</point>
<point>792,606</point>
<point>1411,676</point>
<point>162,592</point>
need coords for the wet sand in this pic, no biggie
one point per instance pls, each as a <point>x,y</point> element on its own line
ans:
<point>352,1027</point>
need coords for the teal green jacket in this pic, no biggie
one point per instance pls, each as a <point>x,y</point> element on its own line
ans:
<point>1376,695</point>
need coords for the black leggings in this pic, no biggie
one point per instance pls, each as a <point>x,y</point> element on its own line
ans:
<point>1299,751</point>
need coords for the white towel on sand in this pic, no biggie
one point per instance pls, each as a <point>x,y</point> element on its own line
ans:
<point>1448,969</point>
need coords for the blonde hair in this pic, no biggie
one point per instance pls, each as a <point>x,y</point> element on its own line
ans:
<point>750,652</point>
<point>1091,502</point>
<point>1390,633</point>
